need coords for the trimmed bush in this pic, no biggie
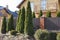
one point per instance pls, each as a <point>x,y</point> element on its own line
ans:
<point>41,35</point>
<point>58,14</point>
<point>48,14</point>
<point>58,36</point>
<point>40,14</point>
<point>52,36</point>
<point>13,32</point>
<point>33,15</point>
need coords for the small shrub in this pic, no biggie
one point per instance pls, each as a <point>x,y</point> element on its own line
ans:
<point>13,32</point>
<point>41,35</point>
<point>41,13</point>
<point>52,36</point>
<point>58,14</point>
<point>48,14</point>
<point>33,15</point>
<point>58,36</point>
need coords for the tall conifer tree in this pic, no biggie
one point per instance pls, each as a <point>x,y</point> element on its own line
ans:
<point>11,24</point>
<point>21,22</point>
<point>28,21</point>
<point>4,25</point>
<point>18,19</point>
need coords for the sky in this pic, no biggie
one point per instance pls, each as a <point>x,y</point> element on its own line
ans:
<point>12,4</point>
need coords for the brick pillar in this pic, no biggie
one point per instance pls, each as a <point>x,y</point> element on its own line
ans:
<point>42,22</point>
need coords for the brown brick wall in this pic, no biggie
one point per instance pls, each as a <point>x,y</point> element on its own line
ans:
<point>38,23</point>
<point>51,5</point>
<point>47,23</point>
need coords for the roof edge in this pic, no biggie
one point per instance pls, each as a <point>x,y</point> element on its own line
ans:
<point>21,4</point>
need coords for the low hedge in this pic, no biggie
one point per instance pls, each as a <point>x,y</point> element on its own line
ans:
<point>13,32</point>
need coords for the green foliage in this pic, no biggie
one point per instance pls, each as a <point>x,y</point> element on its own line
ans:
<point>48,14</point>
<point>18,15</point>
<point>18,19</point>
<point>58,14</point>
<point>40,14</point>
<point>33,15</point>
<point>58,36</point>
<point>13,32</point>
<point>41,35</point>
<point>28,21</point>
<point>21,22</point>
<point>4,25</point>
<point>52,36</point>
<point>11,24</point>
<point>23,13</point>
